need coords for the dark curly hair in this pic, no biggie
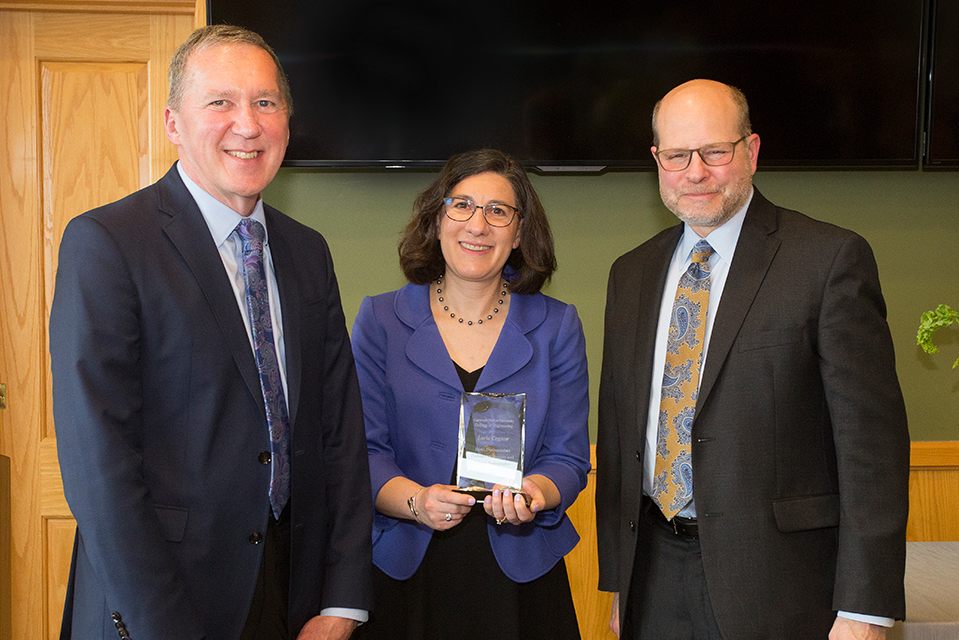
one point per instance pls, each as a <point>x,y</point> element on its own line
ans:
<point>528,267</point>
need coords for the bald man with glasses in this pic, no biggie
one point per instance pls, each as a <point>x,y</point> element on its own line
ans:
<point>753,453</point>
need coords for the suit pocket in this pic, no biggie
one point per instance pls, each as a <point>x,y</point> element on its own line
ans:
<point>809,512</point>
<point>172,522</point>
<point>770,338</point>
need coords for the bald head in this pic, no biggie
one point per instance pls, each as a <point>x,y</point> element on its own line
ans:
<point>710,189</point>
<point>698,99</point>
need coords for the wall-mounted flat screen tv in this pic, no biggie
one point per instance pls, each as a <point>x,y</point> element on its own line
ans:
<point>571,85</point>
<point>943,123</point>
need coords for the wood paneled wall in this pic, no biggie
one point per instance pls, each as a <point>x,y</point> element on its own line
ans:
<point>933,516</point>
<point>582,564</point>
<point>934,492</point>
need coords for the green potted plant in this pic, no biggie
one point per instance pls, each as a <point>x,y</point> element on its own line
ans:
<point>941,316</point>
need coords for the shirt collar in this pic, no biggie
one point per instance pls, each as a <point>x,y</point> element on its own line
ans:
<point>220,219</point>
<point>722,239</point>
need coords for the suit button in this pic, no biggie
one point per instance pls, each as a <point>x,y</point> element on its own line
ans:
<point>256,537</point>
<point>632,526</point>
<point>639,457</point>
<point>264,457</point>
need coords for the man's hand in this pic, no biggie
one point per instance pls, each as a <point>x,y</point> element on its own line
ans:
<point>614,615</point>
<point>846,629</point>
<point>327,628</point>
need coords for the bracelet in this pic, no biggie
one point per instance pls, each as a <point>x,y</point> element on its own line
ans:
<point>411,503</point>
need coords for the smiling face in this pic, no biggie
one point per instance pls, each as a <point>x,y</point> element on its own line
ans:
<point>232,127</point>
<point>473,250</point>
<point>693,115</point>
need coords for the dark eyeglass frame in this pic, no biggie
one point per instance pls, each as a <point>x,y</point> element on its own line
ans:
<point>689,159</point>
<point>448,202</point>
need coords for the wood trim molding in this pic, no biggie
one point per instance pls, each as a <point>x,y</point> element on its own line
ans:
<point>6,604</point>
<point>173,7</point>
<point>934,454</point>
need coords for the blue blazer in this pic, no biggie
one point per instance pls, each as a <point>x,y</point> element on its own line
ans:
<point>411,399</point>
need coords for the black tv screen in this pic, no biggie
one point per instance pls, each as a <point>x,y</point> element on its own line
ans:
<point>571,85</point>
<point>943,128</point>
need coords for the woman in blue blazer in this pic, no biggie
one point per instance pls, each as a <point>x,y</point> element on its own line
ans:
<point>476,252</point>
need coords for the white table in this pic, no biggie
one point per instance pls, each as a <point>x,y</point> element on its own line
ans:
<point>932,593</point>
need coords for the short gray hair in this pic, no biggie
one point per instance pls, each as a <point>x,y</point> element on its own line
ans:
<point>214,35</point>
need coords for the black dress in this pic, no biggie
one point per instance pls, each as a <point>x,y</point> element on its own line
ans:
<point>459,591</point>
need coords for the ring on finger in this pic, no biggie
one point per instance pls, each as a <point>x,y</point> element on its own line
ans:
<point>500,521</point>
<point>449,517</point>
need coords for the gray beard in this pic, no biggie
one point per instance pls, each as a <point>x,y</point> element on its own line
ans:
<point>734,197</point>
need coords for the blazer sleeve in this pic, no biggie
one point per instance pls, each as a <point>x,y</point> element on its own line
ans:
<point>563,455</point>
<point>868,417</point>
<point>608,474</point>
<point>347,577</point>
<point>95,347</point>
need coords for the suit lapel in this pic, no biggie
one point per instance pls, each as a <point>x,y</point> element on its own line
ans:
<point>191,237</point>
<point>513,350</point>
<point>425,348</point>
<point>284,270</point>
<point>755,251</point>
<point>647,302</point>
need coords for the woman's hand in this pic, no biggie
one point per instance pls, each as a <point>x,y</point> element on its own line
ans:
<point>441,508</point>
<point>506,506</point>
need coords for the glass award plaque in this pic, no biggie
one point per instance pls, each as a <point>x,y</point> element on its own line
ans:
<point>492,436</point>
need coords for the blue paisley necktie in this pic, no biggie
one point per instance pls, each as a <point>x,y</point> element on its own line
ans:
<point>673,476</point>
<point>252,234</point>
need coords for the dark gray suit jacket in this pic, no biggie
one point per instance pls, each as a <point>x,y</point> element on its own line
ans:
<point>160,421</point>
<point>800,445</point>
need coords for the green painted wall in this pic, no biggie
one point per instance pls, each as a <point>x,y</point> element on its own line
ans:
<point>911,219</point>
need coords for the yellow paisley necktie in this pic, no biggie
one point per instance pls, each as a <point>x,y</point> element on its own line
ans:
<point>673,476</point>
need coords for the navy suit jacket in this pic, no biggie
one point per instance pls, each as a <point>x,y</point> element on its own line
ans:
<point>800,445</point>
<point>411,402</point>
<point>160,421</point>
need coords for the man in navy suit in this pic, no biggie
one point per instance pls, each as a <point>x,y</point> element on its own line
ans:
<point>161,416</point>
<point>794,527</point>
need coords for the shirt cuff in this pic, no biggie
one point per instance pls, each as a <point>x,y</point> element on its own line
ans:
<point>359,615</point>
<point>860,617</point>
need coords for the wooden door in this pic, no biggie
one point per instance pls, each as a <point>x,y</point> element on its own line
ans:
<point>82,92</point>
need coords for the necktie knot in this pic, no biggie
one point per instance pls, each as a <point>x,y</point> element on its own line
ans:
<point>252,234</point>
<point>699,267</point>
<point>701,253</point>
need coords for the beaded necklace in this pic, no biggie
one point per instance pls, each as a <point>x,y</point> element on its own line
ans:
<point>446,307</point>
